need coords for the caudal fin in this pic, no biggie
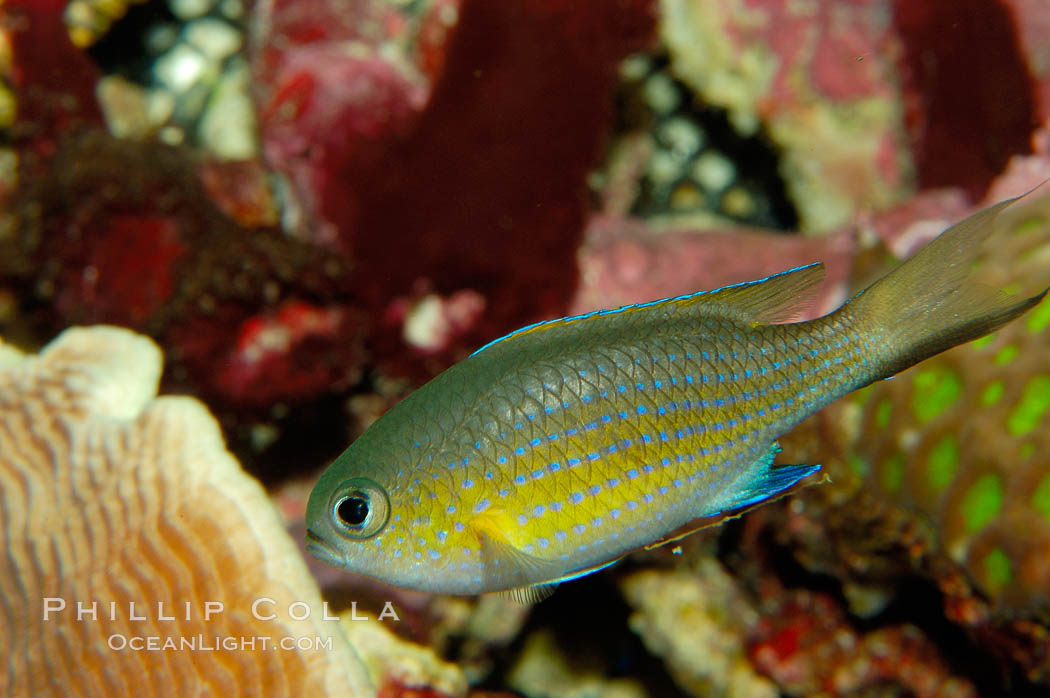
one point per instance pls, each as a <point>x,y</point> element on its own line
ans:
<point>931,303</point>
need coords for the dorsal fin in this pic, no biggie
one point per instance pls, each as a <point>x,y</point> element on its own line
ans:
<point>778,298</point>
<point>775,299</point>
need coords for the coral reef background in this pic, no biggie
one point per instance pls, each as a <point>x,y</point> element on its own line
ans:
<point>310,207</point>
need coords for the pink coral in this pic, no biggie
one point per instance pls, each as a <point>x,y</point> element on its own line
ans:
<point>818,78</point>
<point>625,261</point>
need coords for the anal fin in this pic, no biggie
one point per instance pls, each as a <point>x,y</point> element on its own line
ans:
<point>777,481</point>
<point>771,483</point>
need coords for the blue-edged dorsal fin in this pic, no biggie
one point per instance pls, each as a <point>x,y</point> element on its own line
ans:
<point>778,298</point>
<point>775,299</point>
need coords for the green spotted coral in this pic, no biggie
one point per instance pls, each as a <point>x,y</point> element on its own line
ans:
<point>964,438</point>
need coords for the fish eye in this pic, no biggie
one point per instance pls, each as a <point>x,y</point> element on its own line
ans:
<point>352,511</point>
<point>360,508</point>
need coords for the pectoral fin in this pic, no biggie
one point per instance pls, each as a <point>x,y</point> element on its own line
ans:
<point>506,566</point>
<point>530,594</point>
<point>516,574</point>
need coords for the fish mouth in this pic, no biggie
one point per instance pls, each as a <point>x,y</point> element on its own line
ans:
<point>323,550</point>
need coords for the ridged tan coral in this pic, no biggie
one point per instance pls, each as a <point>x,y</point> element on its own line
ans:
<point>111,495</point>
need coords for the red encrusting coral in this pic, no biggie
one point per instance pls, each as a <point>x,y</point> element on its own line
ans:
<point>54,81</point>
<point>1032,21</point>
<point>299,349</point>
<point>480,178</point>
<point>458,168</point>
<point>148,244</point>
<point>968,109</point>
<point>804,642</point>
<point>495,201</point>
<point>125,233</point>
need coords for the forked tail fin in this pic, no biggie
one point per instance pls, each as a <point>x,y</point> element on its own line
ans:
<point>931,303</point>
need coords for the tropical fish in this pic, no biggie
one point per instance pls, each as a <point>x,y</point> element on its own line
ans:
<point>556,450</point>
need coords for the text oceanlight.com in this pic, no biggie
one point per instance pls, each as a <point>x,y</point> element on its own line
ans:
<point>211,643</point>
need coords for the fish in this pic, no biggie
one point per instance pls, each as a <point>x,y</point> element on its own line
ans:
<point>564,446</point>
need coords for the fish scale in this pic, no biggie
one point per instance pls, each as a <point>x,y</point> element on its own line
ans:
<point>558,449</point>
<point>652,446</point>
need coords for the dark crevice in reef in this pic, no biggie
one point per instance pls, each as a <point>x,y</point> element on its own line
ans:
<point>588,618</point>
<point>124,48</point>
<point>314,432</point>
<point>754,158</point>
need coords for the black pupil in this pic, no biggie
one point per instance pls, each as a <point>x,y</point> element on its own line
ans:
<point>353,510</point>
